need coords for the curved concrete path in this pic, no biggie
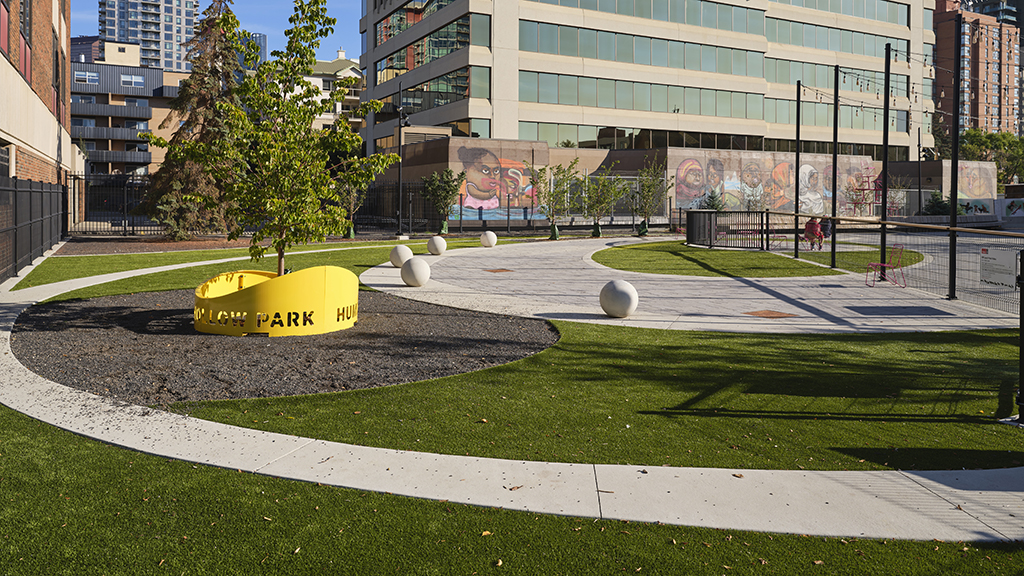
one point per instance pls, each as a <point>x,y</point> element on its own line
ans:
<point>559,280</point>
<point>956,505</point>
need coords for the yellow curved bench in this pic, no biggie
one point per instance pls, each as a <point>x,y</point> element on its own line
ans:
<point>310,301</point>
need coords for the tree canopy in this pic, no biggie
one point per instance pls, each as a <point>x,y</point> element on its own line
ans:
<point>285,178</point>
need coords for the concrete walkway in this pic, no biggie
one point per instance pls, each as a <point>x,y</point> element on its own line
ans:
<point>559,280</point>
<point>957,505</point>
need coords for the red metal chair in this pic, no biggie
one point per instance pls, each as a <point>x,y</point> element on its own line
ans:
<point>888,270</point>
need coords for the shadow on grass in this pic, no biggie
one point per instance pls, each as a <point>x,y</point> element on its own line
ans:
<point>823,416</point>
<point>902,372</point>
<point>936,458</point>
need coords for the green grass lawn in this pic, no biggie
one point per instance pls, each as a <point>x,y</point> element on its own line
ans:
<point>678,258</point>
<point>62,268</point>
<point>602,394</point>
<point>856,260</point>
<point>74,506</point>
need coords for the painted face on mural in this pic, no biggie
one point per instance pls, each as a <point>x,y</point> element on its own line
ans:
<point>714,174</point>
<point>751,177</point>
<point>483,172</point>
<point>484,177</point>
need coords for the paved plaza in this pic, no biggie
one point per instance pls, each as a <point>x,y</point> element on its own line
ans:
<point>558,280</point>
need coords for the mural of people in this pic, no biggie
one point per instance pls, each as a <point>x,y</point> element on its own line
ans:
<point>483,172</point>
<point>714,177</point>
<point>751,188</point>
<point>689,184</point>
<point>974,195</point>
<point>778,186</point>
<point>493,185</point>
<point>811,201</point>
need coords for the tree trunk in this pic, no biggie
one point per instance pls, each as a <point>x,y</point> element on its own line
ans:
<point>554,232</point>
<point>597,230</point>
<point>643,228</point>
<point>280,261</point>
<point>444,227</point>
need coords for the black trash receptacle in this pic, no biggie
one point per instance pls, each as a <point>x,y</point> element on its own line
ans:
<point>701,227</point>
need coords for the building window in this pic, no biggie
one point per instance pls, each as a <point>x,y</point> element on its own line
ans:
<point>83,122</point>
<point>328,85</point>
<point>82,99</point>
<point>136,102</point>
<point>132,81</point>
<point>5,16</point>
<point>82,77</point>
<point>137,124</point>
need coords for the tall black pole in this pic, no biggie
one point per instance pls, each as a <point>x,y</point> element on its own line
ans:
<point>400,158</point>
<point>954,132</point>
<point>885,151</point>
<point>796,172</point>
<point>920,195</point>
<point>835,160</point>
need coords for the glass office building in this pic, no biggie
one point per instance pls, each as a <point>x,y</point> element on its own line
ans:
<point>620,74</point>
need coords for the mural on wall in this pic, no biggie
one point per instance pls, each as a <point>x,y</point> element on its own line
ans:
<point>972,193</point>
<point>495,188</point>
<point>766,180</point>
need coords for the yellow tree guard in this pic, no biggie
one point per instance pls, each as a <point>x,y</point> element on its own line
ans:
<point>310,301</point>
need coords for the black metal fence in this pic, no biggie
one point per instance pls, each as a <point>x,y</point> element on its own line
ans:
<point>103,204</point>
<point>31,222</point>
<point>739,229</point>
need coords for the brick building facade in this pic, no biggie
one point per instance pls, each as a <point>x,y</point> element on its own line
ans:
<point>34,68</point>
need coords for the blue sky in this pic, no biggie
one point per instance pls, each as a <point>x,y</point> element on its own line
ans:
<point>268,17</point>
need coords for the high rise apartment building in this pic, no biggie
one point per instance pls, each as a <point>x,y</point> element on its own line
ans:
<point>653,73</point>
<point>1002,10</point>
<point>159,27</point>
<point>989,69</point>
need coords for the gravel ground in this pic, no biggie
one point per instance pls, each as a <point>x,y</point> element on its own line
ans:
<point>142,349</point>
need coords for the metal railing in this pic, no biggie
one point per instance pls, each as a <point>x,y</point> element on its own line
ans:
<point>953,274</point>
<point>31,222</point>
<point>105,204</point>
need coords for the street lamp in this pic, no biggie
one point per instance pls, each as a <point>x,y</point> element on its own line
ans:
<point>403,121</point>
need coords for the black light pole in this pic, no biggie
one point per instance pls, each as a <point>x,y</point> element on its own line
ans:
<point>796,180</point>
<point>885,153</point>
<point>835,160</point>
<point>954,132</point>
<point>403,120</point>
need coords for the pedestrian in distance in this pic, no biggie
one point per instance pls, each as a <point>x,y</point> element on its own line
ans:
<point>812,233</point>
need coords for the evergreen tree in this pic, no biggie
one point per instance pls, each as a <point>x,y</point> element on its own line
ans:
<point>183,196</point>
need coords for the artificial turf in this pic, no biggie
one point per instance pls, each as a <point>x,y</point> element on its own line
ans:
<point>676,257</point>
<point>74,506</point>
<point>602,394</point>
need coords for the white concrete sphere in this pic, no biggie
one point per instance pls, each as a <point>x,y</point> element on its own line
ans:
<point>399,254</point>
<point>488,239</point>
<point>437,245</point>
<point>619,298</point>
<point>415,272</point>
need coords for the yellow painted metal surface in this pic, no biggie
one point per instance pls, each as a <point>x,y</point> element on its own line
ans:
<point>309,301</point>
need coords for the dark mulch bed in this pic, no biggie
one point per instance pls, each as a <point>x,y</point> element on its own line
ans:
<point>142,349</point>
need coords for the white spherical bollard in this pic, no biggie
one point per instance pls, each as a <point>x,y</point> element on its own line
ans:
<point>619,298</point>
<point>488,239</point>
<point>415,272</point>
<point>437,245</point>
<point>399,254</point>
